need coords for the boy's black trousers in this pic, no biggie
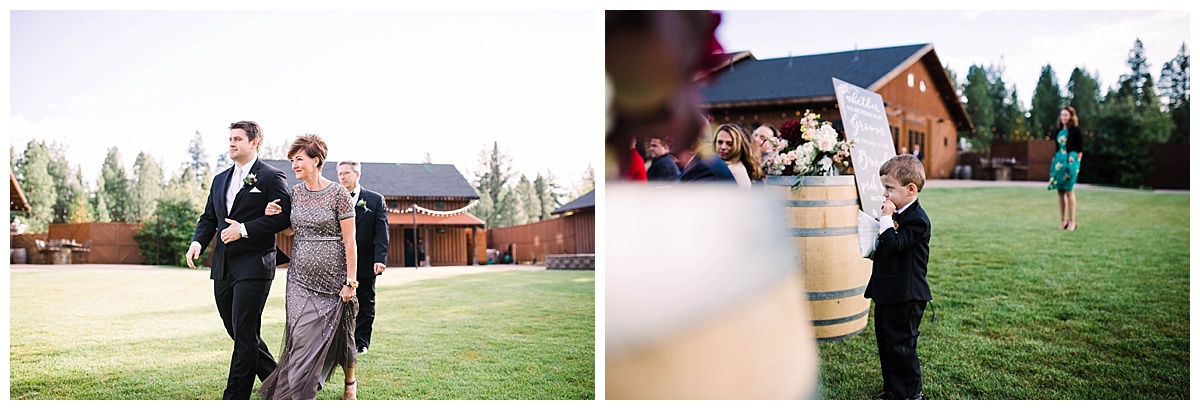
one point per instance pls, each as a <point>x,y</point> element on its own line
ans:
<point>896,330</point>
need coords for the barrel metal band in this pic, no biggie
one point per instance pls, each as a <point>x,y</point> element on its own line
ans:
<point>840,320</point>
<point>821,203</point>
<point>837,294</point>
<point>841,180</point>
<point>844,230</point>
<point>845,336</point>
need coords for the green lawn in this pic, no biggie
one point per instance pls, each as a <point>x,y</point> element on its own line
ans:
<point>1026,311</point>
<point>154,333</point>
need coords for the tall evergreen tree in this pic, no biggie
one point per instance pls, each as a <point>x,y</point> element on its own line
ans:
<point>102,214</point>
<point>494,174</point>
<point>81,210</point>
<point>545,186</point>
<point>1134,83</point>
<point>66,186</point>
<point>223,162</point>
<point>586,184</point>
<point>1046,105</point>
<point>1083,93</point>
<point>117,187</point>
<point>147,188</point>
<point>530,206</point>
<point>32,171</point>
<point>980,108</point>
<point>1175,84</point>
<point>198,157</point>
<point>1016,118</point>
<point>1002,105</point>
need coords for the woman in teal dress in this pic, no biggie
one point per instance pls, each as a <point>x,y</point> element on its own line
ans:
<point>1064,169</point>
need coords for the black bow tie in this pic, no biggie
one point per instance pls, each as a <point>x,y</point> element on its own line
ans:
<point>352,194</point>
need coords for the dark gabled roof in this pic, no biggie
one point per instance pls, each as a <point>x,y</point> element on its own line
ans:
<point>399,180</point>
<point>805,77</point>
<point>588,200</point>
<point>749,82</point>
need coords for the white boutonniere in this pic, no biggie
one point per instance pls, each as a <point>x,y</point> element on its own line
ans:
<point>250,179</point>
<point>363,204</point>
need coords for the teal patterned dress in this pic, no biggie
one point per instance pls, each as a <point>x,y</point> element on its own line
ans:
<point>1064,169</point>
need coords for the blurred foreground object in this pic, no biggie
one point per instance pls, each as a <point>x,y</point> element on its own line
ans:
<point>702,303</point>
<point>650,61</point>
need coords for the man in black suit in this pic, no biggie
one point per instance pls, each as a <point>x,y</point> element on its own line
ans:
<point>662,167</point>
<point>371,235</point>
<point>700,168</point>
<point>244,260</point>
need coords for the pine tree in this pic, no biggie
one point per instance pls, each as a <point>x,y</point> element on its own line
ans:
<point>81,210</point>
<point>37,184</point>
<point>980,108</point>
<point>148,186</point>
<point>530,204</point>
<point>223,162</point>
<point>1083,93</point>
<point>66,186</point>
<point>117,187</point>
<point>1175,84</point>
<point>198,156</point>
<point>101,205</point>
<point>545,187</point>
<point>495,171</point>
<point>1046,105</point>
<point>586,184</point>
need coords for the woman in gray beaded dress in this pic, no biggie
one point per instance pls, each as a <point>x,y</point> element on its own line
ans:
<point>320,302</point>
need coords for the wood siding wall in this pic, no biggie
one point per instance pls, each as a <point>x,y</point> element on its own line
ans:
<point>566,235</point>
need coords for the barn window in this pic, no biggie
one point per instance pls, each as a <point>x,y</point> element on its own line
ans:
<point>393,204</point>
<point>911,80</point>
<point>922,85</point>
<point>439,205</point>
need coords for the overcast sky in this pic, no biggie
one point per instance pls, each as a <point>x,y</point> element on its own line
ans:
<point>379,86</point>
<point>1023,41</point>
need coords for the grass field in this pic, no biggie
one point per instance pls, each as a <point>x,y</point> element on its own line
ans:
<point>1026,311</point>
<point>154,333</point>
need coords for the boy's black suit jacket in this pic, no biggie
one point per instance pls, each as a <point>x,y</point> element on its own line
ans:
<point>901,259</point>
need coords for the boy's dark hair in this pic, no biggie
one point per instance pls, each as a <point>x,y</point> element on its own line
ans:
<point>253,131</point>
<point>905,168</point>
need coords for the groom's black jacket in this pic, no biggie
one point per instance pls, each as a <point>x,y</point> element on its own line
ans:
<point>252,257</point>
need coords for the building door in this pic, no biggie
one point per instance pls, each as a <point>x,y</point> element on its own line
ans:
<point>410,250</point>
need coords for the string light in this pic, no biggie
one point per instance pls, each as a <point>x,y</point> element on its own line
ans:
<point>432,212</point>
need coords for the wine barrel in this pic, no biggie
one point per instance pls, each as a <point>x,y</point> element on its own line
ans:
<point>823,218</point>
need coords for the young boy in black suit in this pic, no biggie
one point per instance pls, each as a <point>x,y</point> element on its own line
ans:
<point>897,282</point>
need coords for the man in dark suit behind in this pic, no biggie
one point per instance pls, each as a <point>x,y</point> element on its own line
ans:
<point>700,168</point>
<point>371,233</point>
<point>662,167</point>
<point>244,259</point>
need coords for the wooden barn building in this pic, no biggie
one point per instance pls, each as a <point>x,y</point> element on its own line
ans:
<point>448,233</point>
<point>920,99</point>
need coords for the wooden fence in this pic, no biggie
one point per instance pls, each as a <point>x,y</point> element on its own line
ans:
<point>532,242</point>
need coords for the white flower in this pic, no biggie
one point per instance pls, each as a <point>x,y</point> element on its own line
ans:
<point>825,144</point>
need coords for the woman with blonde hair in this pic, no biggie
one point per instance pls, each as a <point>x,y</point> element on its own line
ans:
<point>321,282</point>
<point>732,145</point>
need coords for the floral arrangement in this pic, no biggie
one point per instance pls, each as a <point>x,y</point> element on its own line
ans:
<point>808,147</point>
<point>250,180</point>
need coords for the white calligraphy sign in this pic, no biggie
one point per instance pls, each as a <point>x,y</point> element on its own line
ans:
<point>866,125</point>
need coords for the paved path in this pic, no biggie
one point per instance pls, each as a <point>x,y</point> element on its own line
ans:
<point>972,183</point>
<point>392,275</point>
